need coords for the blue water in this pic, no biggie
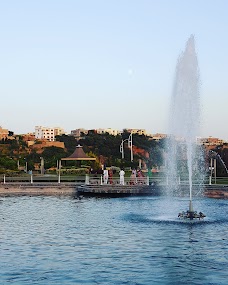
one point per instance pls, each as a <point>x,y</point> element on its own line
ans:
<point>52,240</point>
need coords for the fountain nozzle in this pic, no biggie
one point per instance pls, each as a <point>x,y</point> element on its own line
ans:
<point>190,206</point>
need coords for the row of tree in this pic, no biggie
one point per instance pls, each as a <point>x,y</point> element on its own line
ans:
<point>15,154</point>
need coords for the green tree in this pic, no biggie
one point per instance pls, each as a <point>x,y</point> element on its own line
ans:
<point>69,141</point>
<point>51,155</point>
<point>8,163</point>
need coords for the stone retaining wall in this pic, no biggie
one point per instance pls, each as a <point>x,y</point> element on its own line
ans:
<point>37,190</point>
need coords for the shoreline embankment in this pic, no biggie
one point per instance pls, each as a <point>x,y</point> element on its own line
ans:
<point>72,189</point>
<point>37,190</point>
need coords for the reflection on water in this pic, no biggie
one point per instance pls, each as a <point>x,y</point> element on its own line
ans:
<point>51,240</point>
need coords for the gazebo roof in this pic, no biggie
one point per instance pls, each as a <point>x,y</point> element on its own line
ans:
<point>79,154</point>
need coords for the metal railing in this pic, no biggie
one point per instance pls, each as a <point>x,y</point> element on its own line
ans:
<point>69,180</point>
<point>91,179</point>
<point>116,180</point>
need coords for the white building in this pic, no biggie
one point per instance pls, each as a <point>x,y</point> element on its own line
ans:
<point>77,132</point>
<point>3,133</point>
<point>157,137</point>
<point>110,131</point>
<point>48,133</point>
<point>137,131</point>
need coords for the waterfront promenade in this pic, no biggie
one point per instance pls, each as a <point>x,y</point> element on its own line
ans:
<point>36,189</point>
<point>108,190</point>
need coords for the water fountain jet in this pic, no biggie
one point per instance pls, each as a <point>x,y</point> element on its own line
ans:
<point>185,121</point>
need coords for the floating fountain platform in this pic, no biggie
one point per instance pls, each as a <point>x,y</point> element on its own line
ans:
<point>191,215</point>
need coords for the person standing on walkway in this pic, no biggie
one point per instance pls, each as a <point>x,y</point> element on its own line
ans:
<point>110,175</point>
<point>105,175</point>
<point>122,173</point>
<point>133,177</point>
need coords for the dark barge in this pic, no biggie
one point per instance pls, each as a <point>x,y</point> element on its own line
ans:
<point>117,190</point>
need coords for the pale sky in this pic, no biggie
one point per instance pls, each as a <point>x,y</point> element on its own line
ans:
<point>108,64</point>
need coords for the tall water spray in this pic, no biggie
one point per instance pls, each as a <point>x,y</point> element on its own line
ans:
<point>184,119</point>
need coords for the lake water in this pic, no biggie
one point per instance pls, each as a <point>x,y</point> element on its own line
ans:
<point>135,240</point>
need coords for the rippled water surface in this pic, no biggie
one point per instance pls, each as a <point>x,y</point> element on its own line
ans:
<point>52,240</point>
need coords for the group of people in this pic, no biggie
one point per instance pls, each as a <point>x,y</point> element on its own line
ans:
<point>136,176</point>
<point>108,175</point>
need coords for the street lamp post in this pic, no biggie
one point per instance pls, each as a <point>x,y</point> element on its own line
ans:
<point>41,165</point>
<point>130,143</point>
<point>59,170</point>
<point>122,148</point>
<point>18,163</point>
<point>26,165</point>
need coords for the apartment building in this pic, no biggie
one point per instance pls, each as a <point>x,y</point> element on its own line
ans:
<point>157,137</point>
<point>3,133</point>
<point>48,133</point>
<point>210,141</point>
<point>137,131</point>
<point>110,131</point>
<point>77,132</point>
